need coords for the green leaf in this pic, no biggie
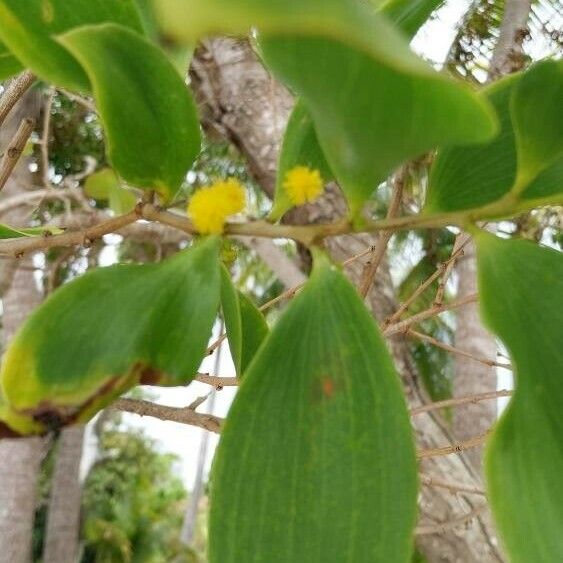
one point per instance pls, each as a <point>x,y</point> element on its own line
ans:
<point>104,185</point>
<point>537,114</point>
<point>409,15</point>
<point>15,232</point>
<point>29,27</point>
<point>254,330</point>
<point>466,177</point>
<point>105,332</point>
<point>9,65</point>
<point>300,148</point>
<point>316,461</point>
<point>232,317</point>
<point>389,106</point>
<point>245,325</point>
<point>147,111</point>
<point>521,289</point>
<point>520,167</point>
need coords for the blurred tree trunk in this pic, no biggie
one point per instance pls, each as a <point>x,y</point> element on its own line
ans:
<point>241,102</point>
<point>471,377</point>
<point>20,458</point>
<point>63,517</point>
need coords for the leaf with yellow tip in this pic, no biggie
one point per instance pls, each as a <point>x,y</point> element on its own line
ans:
<point>107,331</point>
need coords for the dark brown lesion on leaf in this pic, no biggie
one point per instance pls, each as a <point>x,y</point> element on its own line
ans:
<point>7,432</point>
<point>149,375</point>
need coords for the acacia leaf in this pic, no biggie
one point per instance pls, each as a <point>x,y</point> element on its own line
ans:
<point>147,111</point>
<point>104,185</point>
<point>231,317</point>
<point>29,28</point>
<point>316,460</point>
<point>9,65</point>
<point>107,331</point>
<point>7,232</point>
<point>385,105</point>
<point>409,15</point>
<point>521,289</point>
<point>524,162</point>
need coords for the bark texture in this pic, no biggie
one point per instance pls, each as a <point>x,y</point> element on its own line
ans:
<point>63,519</point>
<point>19,459</point>
<point>239,99</point>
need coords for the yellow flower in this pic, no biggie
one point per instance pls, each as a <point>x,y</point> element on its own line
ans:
<point>210,206</point>
<point>303,185</point>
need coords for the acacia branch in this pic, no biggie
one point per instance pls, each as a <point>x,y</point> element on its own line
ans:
<point>456,402</point>
<point>430,481</point>
<point>15,90</point>
<point>456,448</point>
<point>15,149</point>
<point>174,414</point>
<point>451,524</point>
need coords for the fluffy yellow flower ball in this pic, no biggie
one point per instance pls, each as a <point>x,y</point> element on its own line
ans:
<point>210,206</point>
<point>303,185</point>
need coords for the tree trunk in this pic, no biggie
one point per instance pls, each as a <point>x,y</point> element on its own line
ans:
<point>63,518</point>
<point>240,100</point>
<point>19,459</point>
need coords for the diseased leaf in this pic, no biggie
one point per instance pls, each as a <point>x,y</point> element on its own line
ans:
<point>147,111</point>
<point>30,26</point>
<point>300,148</point>
<point>107,331</point>
<point>521,289</point>
<point>389,106</point>
<point>316,460</point>
<point>523,164</point>
<point>537,112</point>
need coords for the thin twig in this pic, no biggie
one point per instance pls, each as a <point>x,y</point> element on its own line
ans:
<point>174,414</point>
<point>426,530</point>
<point>430,481</point>
<point>15,90</point>
<point>45,140</point>
<point>404,326</point>
<point>454,350</point>
<point>217,382</point>
<point>453,448</point>
<point>15,149</point>
<point>18,247</point>
<point>461,241</point>
<point>456,402</point>
<point>372,265</point>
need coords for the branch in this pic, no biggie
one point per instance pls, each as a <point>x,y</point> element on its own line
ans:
<point>456,402</point>
<point>454,448</point>
<point>372,265</point>
<point>217,382</point>
<point>404,326</point>
<point>454,350</point>
<point>430,481</point>
<point>15,90</point>
<point>18,247</point>
<point>174,414</point>
<point>446,526</point>
<point>15,149</point>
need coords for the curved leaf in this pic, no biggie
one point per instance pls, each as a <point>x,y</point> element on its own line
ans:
<point>147,111</point>
<point>245,325</point>
<point>389,106</point>
<point>104,185</point>
<point>107,331</point>
<point>522,164</point>
<point>537,114</point>
<point>254,330</point>
<point>15,232</point>
<point>521,288</point>
<point>316,460</point>
<point>28,29</point>
<point>409,15</point>
<point>232,317</point>
<point>9,65</point>
<point>300,148</point>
